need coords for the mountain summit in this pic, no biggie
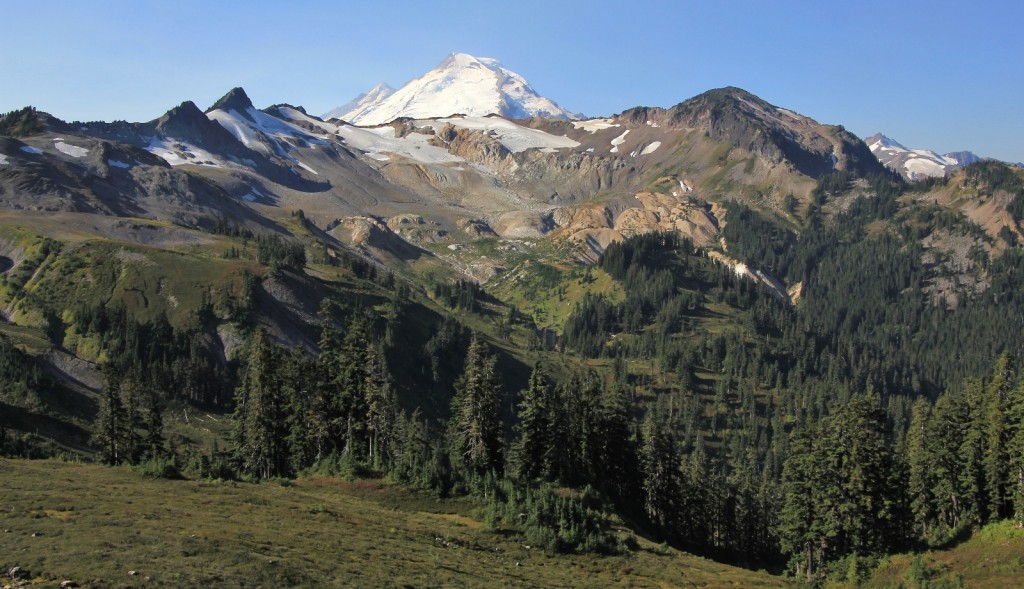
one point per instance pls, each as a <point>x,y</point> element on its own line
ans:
<point>461,84</point>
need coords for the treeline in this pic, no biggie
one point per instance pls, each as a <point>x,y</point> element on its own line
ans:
<point>21,123</point>
<point>272,251</point>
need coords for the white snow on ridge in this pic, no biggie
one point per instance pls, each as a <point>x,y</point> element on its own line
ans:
<point>68,149</point>
<point>118,164</point>
<point>651,148</point>
<point>594,125</point>
<point>619,141</point>
<point>31,150</point>
<point>514,137</point>
<point>3,160</point>
<point>265,133</point>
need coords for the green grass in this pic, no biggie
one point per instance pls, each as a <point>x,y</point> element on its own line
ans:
<point>991,558</point>
<point>94,524</point>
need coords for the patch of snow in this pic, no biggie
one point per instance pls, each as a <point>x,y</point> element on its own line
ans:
<point>590,150</point>
<point>32,150</point>
<point>307,168</point>
<point>684,186</point>
<point>594,125</point>
<point>789,113</point>
<point>118,164</point>
<point>68,149</point>
<point>619,141</point>
<point>179,153</point>
<point>249,197</point>
<point>651,148</point>
<point>3,160</point>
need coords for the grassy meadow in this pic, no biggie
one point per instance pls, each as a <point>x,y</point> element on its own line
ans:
<point>95,525</point>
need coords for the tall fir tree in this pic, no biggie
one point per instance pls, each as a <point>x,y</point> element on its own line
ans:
<point>662,488</point>
<point>475,432</point>
<point>534,427</point>
<point>261,432</point>
<point>111,422</point>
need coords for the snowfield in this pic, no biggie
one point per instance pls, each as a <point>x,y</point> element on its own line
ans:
<point>594,125</point>
<point>178,153</point>
<point>651,148</point>
<point>68,149</point>
<point>619,141</point>
<point>3,160</point>
<point>32,150</point>
<point>924,167</point>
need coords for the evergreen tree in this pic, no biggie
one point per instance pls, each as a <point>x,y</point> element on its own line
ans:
<point>662,489</point>
<point>381,407</point>
<point>947,429</point>
<point>921,468</point>
<point>475,432</point>
<point>111,422</point>
<point>533,445</point>
<point>1015,470</point>
<point>261,432</point>
<point>973,449</point>
<point>800,531</point>
<point>154,441</point>
<point>615,451</point>
<point>996,459</point>
<point>132,441</point>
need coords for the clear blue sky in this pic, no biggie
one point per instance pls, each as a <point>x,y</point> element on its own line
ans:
<point>941,75</point>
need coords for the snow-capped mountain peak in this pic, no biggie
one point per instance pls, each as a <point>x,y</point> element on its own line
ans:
<point>461,84</point>
<point>879,141</point>
<point>915,164</point>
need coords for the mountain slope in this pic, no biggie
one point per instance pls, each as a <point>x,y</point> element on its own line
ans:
<point>461,84</point>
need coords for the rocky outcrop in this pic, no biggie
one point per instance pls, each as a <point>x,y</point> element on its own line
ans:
<point>474,146</point>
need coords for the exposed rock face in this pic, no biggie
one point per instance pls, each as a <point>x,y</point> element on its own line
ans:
<point>474,146</point>
<point>687,215</point>
<point>186,122</point>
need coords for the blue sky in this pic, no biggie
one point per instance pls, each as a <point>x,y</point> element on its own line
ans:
<point>941,75</point>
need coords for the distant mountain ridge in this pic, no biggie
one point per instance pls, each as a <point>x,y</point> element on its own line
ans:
<point>360,104</point>
<point>915,164</point>
<point>460,85</point>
